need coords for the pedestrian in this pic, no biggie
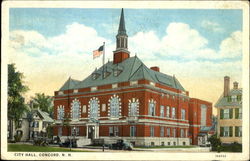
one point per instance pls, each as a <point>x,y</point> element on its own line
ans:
<point>103,147</point>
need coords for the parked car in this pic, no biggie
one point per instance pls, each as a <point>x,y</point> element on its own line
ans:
<point>67,143</point>
<point>121,145</point>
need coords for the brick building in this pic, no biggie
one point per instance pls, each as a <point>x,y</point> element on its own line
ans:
<point>124,99</point>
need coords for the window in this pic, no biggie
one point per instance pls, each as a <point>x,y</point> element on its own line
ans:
<point>168,132</point>
<point>183,143</point>
<point>152,131</point>
<point>152,143</point>
<point>173,113</point>
<point>59,131</point>
<point>152,83</point>
<point>19,124</point>
<point>152,107</point>
<point>116,131</point>
<point>174,132</point>
<point>162,132</point>
<point>60,112</point>
<point>133,83</point>
<point>103,107</point>
<point>132,131</point>
<point>36,124</point>
<point>117,72</point>
<point>238,113</point>
<point>114,103</point>
<point>35,134</point>
<point>75,131</point>
<point>226,131</point>
<point>106,74</point>
<point>111,132</point>
<point>182,133</point>
<point>114,85</point>
<point>84,109</point>
<point>162,111</point>
<point>75,109</point>
<point>162,143</point>
<point>93,88</point>
<point>133,107</point>
<point>239,98</point>
<point>174,143</point>
<point>203,115</point>
<point>60,93</point>
<point>169,143</point>
<point>95,76</point>
<point>44,124</point>
<point>234,98</point>
<point>168,112</point>
<point>238,131</point>
<point>75,91</point>
<point>226,113</point>
<point>94,106</point>
<point>183,114</point>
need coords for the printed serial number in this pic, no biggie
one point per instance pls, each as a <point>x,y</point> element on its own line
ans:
<point>221,155</point>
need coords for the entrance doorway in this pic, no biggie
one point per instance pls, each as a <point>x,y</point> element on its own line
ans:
<point>91,132</point>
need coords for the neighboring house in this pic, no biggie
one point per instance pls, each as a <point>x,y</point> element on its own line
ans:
<point>229,110</point>
<point>22,127</point>
<point>30,125</point>
<point>40,121</point>
<point>124,99</point>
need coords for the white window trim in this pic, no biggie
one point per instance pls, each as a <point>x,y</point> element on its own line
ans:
<point>94,88</point>
<point>132,83</point>
<point>115,85</point>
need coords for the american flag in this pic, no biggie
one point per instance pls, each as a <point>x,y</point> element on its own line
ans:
<point>98,52</point>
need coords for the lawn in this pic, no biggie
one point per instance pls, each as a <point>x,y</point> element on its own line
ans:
<point>155,147</point>
<point>33,148</point>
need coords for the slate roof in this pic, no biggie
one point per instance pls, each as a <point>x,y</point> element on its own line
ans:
<point>45,116</point>
<point>132,69</point>
<point>223,101</point>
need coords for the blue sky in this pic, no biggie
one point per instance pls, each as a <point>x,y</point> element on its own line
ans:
<point>199,47</point>
<point>51,22</point>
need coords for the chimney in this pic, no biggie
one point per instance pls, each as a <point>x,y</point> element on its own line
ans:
<point>226,85</point>
<point>155,68</point>
<point>235,85</point>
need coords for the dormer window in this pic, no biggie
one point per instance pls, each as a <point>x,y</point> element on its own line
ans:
<point>117,72</point>
<point>95,76</point>
<point>106,74</point>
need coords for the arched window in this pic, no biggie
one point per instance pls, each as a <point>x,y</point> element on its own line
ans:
<point>93,107</point>
<point>114,106</point>
<point>133,107</point>
<point>60,112</point>
<point>151,107</point>
<point>75,109</point>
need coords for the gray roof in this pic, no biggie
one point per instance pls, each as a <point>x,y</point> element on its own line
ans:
<point>45,116</point>
<point>132,69</point>
<point>69,84</point>
<point>223,101</point>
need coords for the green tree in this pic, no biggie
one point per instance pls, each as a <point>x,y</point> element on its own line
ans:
<point>215,142</point>
<point>42,102</point>
<point>16,88</point>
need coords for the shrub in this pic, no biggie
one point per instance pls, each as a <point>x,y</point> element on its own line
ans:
<point>215,142</point>
<point>17,137</point>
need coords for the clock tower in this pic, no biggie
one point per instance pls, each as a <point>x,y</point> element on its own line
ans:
<point>121,53</point>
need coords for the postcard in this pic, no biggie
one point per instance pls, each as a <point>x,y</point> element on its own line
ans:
<point>125,80</point>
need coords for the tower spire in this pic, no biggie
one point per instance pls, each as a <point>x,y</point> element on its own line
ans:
<point>122,29</point>
<point>121,53</point>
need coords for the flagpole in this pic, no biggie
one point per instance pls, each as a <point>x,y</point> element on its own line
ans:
<point>103,59</point>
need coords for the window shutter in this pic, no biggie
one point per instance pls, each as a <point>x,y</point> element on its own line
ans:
<point>230,131</point>
<point>231,113</point>
<point>236,131</point>
<point>221,131</point>
<point>237,113</point>
<point>221,113</point>
<point>229,99</point>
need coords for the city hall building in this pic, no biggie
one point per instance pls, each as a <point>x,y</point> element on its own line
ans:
<point>124,99</point>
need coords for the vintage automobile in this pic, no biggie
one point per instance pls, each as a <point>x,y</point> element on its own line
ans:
<point>69,143</point>
<point>121,145</point>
